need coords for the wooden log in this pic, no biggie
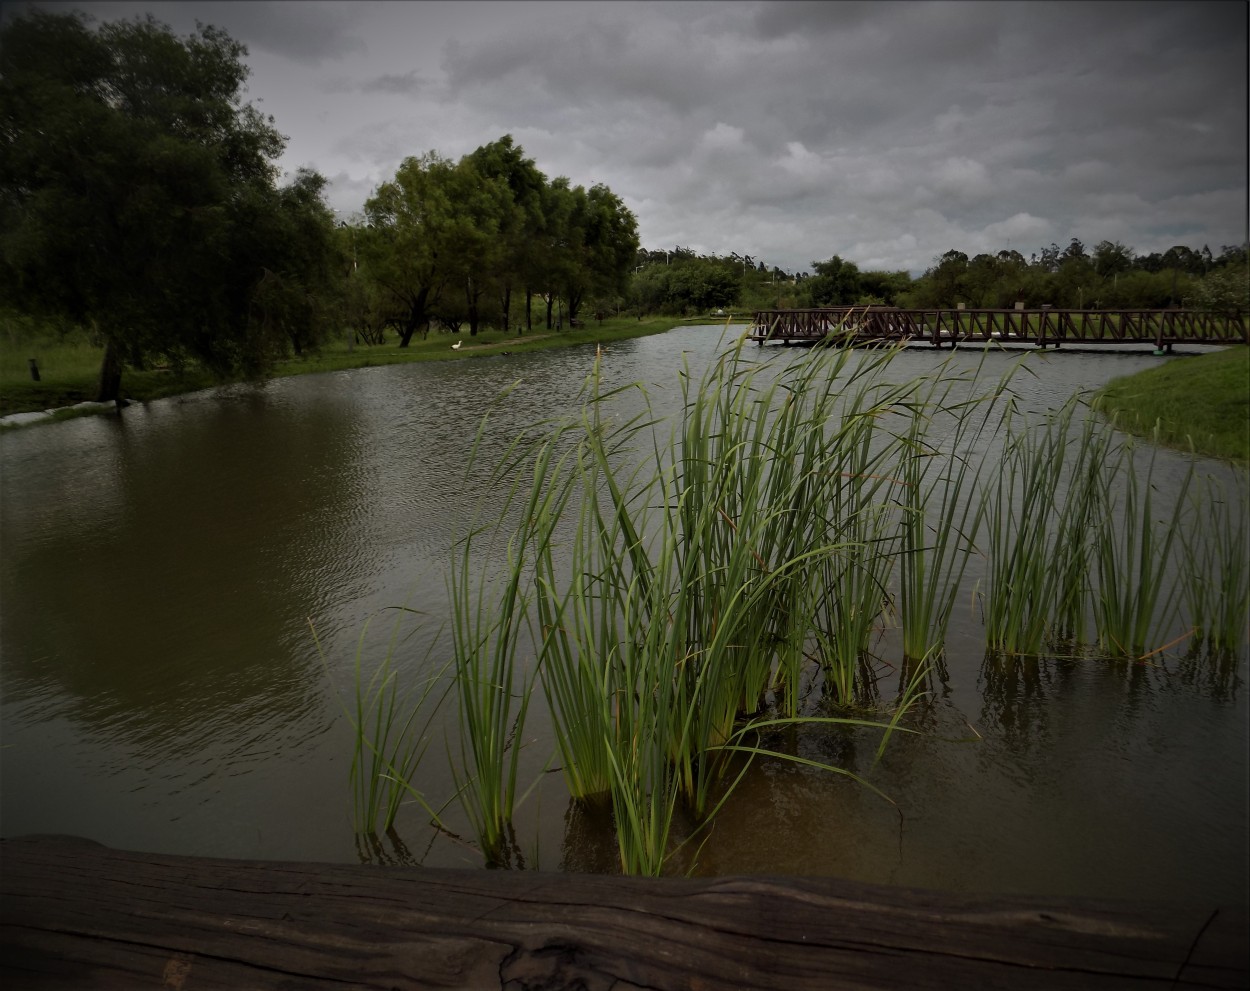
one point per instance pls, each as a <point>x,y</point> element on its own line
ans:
<point>79,915</point>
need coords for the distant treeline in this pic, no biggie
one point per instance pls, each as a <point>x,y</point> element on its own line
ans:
<point>1112,276</point>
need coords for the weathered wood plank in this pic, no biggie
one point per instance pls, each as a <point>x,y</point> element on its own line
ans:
<point>78,915</point>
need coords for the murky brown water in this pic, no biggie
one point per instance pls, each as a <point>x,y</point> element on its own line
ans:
<point>162,690</point>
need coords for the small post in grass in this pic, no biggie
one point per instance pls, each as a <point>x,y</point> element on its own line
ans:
<point>34,368</point>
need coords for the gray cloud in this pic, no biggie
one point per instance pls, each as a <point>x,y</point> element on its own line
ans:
<point>309,31</point>
<point>397,83</point>
<point>884,132</point>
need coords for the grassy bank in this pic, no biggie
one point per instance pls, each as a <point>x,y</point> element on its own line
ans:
<point>69,365</point>
<point>1199,404</point>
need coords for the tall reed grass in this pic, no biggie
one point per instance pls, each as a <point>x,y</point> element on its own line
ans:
<point>391,732</point>
<point>1135,604</point>
<point>1216,551</point>
<point>675,587</point>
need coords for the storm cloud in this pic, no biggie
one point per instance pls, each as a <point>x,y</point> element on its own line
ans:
<point>886,133</point>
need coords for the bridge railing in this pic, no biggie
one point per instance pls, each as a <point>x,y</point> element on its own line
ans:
<point>1041,326</point>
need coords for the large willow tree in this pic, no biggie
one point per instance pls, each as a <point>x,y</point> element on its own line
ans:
<point>138,197</point>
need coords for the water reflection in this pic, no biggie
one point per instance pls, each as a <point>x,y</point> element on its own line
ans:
<point>1068,775</point>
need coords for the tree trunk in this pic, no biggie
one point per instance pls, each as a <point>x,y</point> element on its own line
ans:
<point>416,317</point>
<point>109,386</point>
<point>550,303</point>
<point>471,297</point>
<point>529,310</point>
<point>505,304</point>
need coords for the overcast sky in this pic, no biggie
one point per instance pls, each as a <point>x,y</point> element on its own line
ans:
<point>886,133</point>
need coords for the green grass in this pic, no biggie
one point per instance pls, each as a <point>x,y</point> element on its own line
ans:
<point>69,365</point>
<point>1199,404</point>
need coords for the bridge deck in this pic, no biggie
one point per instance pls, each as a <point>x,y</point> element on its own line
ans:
<point>1044,327</point>
<point>78,915</point>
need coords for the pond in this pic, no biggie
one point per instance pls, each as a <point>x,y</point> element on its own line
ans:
<point>162,572</point>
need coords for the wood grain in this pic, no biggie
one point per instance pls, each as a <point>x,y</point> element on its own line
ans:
<point>78,915</point>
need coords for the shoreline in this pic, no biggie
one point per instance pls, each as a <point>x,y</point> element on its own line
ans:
<point>338,356</point>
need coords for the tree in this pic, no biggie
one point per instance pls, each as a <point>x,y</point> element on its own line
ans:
<point>301,265</point>
<point>945,283</point>
<point>597,251</point>
<point>982,281</point>
<point>524,224</point>
<point>138,196</point>
<point>883,288</point>
<point>1111,258</point>
<point>476,237</point>
<point>836,283</point>
<point>410,218</point>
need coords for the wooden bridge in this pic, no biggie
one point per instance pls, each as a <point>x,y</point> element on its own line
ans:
<point>1042,327</point>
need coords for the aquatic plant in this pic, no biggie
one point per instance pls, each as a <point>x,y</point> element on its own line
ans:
<point>939,515</point>
<point>676,586</point>
<point>1133,559</point>
<point>391,732</point>
<point>1215,546</point>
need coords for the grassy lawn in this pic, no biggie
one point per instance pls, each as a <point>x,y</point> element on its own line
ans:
<point>1197,404</point>
<point>69,365</point>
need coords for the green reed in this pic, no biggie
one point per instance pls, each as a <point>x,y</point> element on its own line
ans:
<point>490,621</point>
<point>1079,512</point>
<point>391,734</point>
<point>1019,509</point>
<point>674,585</point>
<point>687,596</point>
<point>938,514</point>
<point>1133,559</point>
<point>1215,547</point>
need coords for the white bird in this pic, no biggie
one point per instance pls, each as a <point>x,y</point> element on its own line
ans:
<point>456,346</point>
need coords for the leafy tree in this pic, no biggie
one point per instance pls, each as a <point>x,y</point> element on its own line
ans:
<point>476,239</point>
<point>1076,282</point>
<point>883,287</point>
<point>982,280</point>
<point>945,283</point>
<point>1111,258</point>
<point>836,283</point>
<point>602,243</point>
<point>1233,255</point>
<point>300,294</point>
<point>138,197</point>
<point>410,218</point>
<point>523,225</point>
<point>1227,286</point>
